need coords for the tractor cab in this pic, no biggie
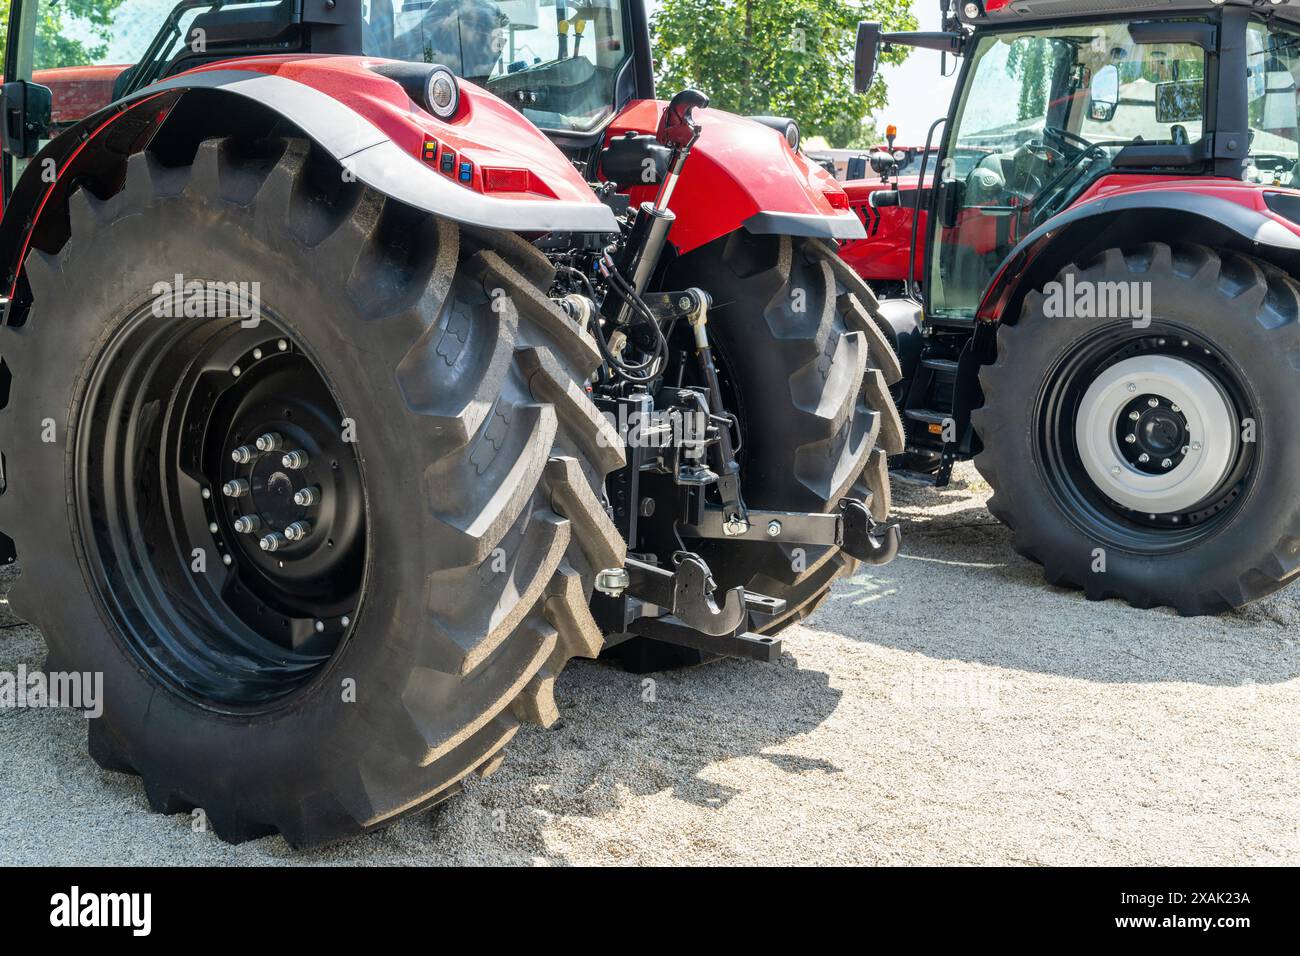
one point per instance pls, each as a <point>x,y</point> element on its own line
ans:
<point>1066,104</point>
<point>567,66</point>
<point>1100,308</point>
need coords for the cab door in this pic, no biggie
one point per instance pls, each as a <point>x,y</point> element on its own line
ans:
<point>25,106</point>
<point>66,59</point>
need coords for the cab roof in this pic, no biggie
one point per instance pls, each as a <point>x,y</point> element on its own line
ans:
<point>1008,12</point>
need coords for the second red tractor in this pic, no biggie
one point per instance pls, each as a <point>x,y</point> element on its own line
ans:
<point>1102,308</point>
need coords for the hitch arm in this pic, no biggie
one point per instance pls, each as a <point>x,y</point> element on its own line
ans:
<point>851,528</point>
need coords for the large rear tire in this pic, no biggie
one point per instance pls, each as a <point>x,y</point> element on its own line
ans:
<point>468,494</point>
<point>1157,462</point>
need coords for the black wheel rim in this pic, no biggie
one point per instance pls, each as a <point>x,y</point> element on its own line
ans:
<point>1058,456</point>
<point>226,619</point>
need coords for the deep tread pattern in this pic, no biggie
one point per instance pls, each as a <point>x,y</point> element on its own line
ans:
<point>572,497</point>
<point>1250,309</point>
<point>483,377</point>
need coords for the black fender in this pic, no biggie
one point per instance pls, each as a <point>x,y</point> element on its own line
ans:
<point>1157,215</point>
<point>98,145</point>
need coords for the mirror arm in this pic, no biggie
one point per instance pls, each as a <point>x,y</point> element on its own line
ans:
<point>953,43</point>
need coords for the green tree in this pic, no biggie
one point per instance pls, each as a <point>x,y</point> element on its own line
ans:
<point>54,47</point>
<point>783,57</point>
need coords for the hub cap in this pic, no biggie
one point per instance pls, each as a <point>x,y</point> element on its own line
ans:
<point>1140,436</point>
<point>1156,434</point>
<point>223,507</point>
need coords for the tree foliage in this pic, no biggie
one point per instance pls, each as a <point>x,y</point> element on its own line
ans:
<point>781,57</point>
<point>54,48</point>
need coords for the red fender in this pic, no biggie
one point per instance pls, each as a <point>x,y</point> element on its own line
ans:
<point>743,174</point>
<point>486,165</point>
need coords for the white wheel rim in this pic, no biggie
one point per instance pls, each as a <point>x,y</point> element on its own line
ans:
<point>1211,426</point>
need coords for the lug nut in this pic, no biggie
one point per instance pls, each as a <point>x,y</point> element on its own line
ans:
<point>243,454</point>
<point>1144,458</point>
<point>1167,463</point>
<point>295,459</point>
<point>273,541</point>
<point>271,441</point>
<point>282,345</point>
<point>307,496</point>
<point>1130,438</point>
<point>297,531</point>
<point>320,627</point>
<point>248,524</point>
<point>1196,446</point>
<point>1132,387</point>
<point>1153,402</point>
<point>1175,409</point>
<point>236,488</point>
<point>1134,416</point>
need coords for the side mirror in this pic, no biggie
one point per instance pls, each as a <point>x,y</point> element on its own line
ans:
<point>1105,95</point>
<point>865,56</point>
<point>27,110</point>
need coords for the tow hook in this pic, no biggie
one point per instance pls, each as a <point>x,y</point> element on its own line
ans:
<point>867,539</point>
<point>680,607</point>
<point>687,594</point>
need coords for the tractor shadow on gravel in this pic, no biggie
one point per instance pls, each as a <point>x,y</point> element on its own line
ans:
<point>959,592</point>
<point>620,736</point>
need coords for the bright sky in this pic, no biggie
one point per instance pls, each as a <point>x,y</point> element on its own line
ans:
<point>918,94</point>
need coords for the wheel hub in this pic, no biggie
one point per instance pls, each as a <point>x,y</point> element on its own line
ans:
<point>1156,434</point>
<point>1153,433</point>
<point>223,504</point>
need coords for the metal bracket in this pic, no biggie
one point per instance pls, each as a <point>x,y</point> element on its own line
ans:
<point>687,594</point>
<point>851,528</point>
<point>744,644</point>
<point>792,527</point>
<point>666,306</point>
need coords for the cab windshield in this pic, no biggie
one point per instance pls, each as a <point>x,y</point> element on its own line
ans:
<point>557,61</point>
<point>1049,110</point>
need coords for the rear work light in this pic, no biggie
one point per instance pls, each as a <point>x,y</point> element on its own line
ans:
<point>838,198</point>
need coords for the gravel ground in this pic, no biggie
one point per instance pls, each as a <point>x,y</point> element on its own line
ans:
<point>947,709</point>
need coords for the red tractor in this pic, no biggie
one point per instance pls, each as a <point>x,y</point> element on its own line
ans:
<point>362,366</point>
<point>1103,309</point>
